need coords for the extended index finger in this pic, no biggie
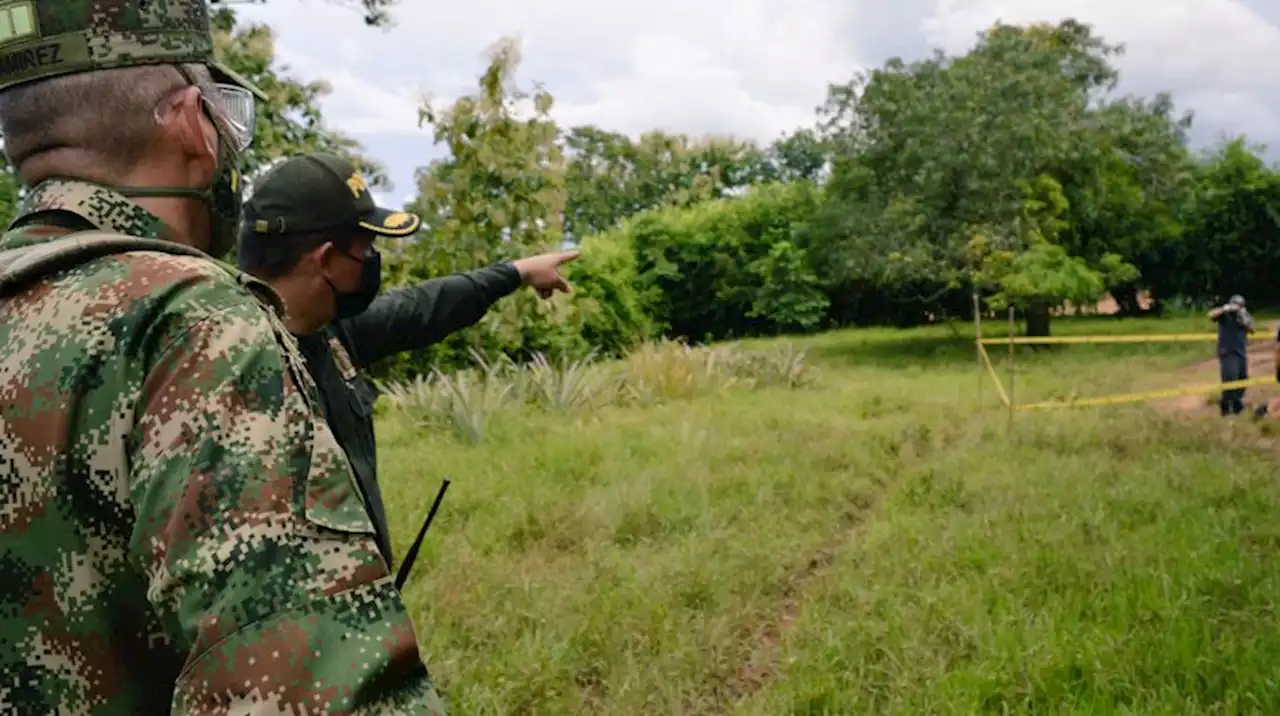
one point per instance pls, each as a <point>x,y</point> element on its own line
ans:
<point>565,257</point>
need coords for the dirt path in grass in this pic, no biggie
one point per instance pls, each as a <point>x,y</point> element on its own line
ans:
<point>1262,364</point>
<point>765,662</point>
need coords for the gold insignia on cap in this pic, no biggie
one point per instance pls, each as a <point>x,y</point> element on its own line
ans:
<point>398,220</point>
<point>261,226</point>
<point>356,184</point>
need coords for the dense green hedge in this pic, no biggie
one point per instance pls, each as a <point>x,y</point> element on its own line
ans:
<point>766,262</point>
<point>733,267</point>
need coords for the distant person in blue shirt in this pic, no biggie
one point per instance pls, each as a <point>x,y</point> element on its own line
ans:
<point>1234,326</point>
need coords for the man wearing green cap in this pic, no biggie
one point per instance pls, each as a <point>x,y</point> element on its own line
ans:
<point>179,530</point>
<point>309,230</point>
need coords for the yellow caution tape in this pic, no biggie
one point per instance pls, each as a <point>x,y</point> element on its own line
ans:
<point>986,360</point>
<point>1151,338</point>
<point>1112,399</point>
<point>1141,397</point>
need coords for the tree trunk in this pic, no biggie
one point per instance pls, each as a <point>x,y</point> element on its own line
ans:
<point>1126,297</point>
<point>1038,320</point>
<point>1156,307</point>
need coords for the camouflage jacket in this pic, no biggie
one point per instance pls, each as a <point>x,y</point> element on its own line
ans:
<point>179,532</point>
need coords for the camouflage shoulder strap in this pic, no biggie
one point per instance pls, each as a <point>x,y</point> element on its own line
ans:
<point>21,266</point>
<point>25,264</point>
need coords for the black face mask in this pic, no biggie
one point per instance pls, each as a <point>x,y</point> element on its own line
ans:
<point>223,196</point>
<point>350,305</point>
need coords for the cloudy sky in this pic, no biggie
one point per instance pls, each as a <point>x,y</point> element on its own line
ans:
<point>752,68</point>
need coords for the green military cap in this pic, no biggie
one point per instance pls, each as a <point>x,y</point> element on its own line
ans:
<point>313,193</point>
<point>47,38</point>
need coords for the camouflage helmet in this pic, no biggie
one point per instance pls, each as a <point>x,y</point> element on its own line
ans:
<point>47,38</point>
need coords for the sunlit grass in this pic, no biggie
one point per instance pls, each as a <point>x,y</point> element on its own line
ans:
<point>866,539</point>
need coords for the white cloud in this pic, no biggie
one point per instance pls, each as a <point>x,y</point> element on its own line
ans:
<point>752,68</point>
<point>1218,39</point>
<point>677,85</point>
<point>358,104</point>
<point>1216,56</point>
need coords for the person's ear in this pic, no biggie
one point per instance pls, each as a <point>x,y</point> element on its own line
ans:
<point>324,255</point>
<point>195,133</point>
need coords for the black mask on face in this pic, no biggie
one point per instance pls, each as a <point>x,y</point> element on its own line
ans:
<point>350,305</point>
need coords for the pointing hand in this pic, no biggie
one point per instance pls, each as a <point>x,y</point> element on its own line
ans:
<point>542,272</point>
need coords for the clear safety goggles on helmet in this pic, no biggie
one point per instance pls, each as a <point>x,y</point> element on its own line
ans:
<point>236,107</point>
<point>231,107</point>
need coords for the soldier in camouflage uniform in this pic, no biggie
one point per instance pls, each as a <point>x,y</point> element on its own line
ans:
<point>179,532</point>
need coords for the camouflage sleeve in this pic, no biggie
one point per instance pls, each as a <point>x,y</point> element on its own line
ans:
<point>253,538</point>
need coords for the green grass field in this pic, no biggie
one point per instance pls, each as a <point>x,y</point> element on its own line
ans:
<point>873,542</point>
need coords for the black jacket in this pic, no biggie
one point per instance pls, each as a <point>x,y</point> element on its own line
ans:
<point>1233,332</point>
<point>397,321</point>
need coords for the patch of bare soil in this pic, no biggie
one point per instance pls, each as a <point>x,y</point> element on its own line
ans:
<point>1262,363</point>
<point>765,662</point>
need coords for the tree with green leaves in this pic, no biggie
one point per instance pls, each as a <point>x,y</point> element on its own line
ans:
<point>801,155</point>
<point>1126,187</point>
<point>612,177</point>
<point>1230,242</point>
<point>601,183</point>
<point>952,170</point>
<point>1041,273</point>
<point>500,194</point>
<point>731,267</point>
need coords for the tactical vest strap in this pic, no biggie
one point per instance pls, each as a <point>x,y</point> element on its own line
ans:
<point>26,264</point>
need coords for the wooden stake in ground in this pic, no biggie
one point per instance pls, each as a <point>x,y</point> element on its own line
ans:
<point>977,342</point>
<point>1012,377</point>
